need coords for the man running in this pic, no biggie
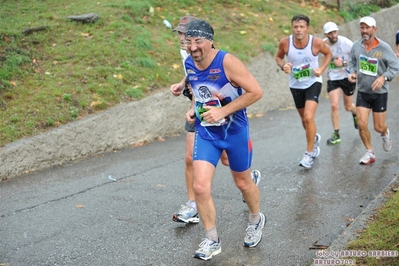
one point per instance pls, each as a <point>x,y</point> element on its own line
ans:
<point>305,80</point>
<point>188,212</point>
<point>337,74</point>
<point>372,64</point>
<point>218,81</point>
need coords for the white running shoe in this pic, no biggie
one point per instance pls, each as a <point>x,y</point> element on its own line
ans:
<point>307,161</point>
<point>316,145</point>
<point>254,232</point>
<point>368,158</point>
<point>386,142</point>
<point>207,249</point>
<point>186,215</point>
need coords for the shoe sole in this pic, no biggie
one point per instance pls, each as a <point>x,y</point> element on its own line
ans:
<point>369,162</point>
<point>333,142</point>
<point>259,177</point>
<point>178,219</point>
<point>304,166</point>
<point>216,252</point>
<point>257,243</point>
<point>389,148</point>
<point>318,146</point>
<point>317,153</point>
<point>256,183</point>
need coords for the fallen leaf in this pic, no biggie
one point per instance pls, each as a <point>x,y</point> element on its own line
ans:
<point>96,103</point>
<point>139,144</point>
<point>317,246</point>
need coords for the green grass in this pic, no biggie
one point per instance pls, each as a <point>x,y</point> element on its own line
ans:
<point>71,70</point>
<point>382,233</point>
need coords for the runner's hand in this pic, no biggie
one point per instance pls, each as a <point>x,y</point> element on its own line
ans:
<point>177,89</point>
<point>317,72</point>
<point>190,116</point>
<point>287,68</point>
<point>378,83</point>
<point>352,77</point>
<point>213,115</point>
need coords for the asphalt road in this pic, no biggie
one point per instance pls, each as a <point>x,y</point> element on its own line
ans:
<point>116,209</point>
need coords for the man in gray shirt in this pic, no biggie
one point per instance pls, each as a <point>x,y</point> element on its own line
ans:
<point>372,64</point>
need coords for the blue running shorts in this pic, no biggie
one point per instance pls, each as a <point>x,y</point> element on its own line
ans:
<point>238,147</point>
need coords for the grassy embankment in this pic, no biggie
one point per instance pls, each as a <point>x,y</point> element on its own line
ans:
<point>71,70</point>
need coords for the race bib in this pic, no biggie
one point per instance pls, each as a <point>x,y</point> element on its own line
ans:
<point>200,109</point>
<point>302,72</point>
<point>332,65</point>
<point>368,65</point>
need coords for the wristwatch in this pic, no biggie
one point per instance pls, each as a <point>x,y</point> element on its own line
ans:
<point>386,78</point>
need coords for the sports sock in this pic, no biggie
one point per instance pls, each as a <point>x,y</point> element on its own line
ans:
<point>254,218</point>
<point>192,204</point>
<point>212,234</point>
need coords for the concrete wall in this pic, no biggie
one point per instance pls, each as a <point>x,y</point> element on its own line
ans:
<point>159,115</point>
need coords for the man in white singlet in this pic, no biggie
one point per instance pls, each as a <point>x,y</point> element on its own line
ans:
<point>301,51</point>
<point>337,74</point>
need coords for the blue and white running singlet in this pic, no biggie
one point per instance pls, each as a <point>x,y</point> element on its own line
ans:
<point>211,87</point>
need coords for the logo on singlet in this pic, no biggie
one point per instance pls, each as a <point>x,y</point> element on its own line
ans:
<point>215,71</point>
<point>204,92</point>
<point>214,77</point>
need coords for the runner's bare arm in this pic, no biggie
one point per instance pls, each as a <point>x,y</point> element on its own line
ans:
<point>281,52</point>
<point>177,88</point>
<point>320,47</point>
<point>239,76</point>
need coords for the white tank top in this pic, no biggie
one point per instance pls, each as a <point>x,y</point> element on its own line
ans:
<point>303,62</point>
<point>340,49</point>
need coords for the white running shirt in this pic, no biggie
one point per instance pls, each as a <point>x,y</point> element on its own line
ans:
<point>303,62</point>
<point>340,49</point>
